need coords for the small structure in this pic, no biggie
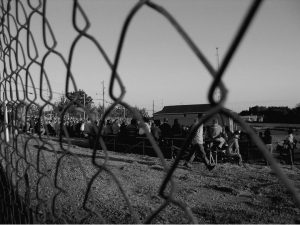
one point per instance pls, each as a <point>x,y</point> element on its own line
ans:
<point>186,115</point>
<point>253,118</point>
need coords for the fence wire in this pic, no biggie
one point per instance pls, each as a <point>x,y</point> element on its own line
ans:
<point>31,192</point>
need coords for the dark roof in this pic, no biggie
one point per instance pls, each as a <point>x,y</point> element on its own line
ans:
<point>176,109</point>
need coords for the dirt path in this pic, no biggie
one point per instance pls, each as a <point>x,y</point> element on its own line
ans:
<point>228,194</point>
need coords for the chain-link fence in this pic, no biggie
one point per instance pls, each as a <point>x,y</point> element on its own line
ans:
<point>33,169</point>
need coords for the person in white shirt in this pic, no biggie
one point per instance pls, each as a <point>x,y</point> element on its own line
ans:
<point>197,147</point>
<point>291,144</point>
<point>291,139</point>
<point>142,131</point>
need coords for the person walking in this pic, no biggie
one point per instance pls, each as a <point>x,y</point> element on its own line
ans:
<point>197,147</point>
<point>267,138</point>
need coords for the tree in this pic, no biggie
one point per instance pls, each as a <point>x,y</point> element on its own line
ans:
<point>81,99</point>
<point>118,111</point>
<point>245,113</point>
<point>121,111</point>
<point>142,111</point>
<point>257,110</point>
<point>278,114</point>
<point>61,104</point>
<point>33,110</point>
<point>100,109</point>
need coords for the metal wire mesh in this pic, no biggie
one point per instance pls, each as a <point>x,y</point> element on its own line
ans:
<point>32,165</point>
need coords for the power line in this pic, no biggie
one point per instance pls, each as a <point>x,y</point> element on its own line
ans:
<point>46,90</point>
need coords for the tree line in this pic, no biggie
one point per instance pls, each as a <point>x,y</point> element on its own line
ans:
<point>75,102</point>
<point>80,99</point>
<point>275,114</point>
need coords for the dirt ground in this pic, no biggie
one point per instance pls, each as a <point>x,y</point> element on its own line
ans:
<point>228,194</point>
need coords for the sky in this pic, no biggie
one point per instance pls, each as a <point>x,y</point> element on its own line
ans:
<point>157,66</point>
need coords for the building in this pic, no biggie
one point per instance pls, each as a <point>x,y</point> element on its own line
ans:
<point>253,118</point>
<point>186,115</point>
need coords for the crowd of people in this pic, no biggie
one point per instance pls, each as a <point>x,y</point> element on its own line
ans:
<point>52,126</point>
<point>206,137</point>
<point>216,138</point>
<point>155,127</point>
<point>78,127</point>
<point>288,145</point>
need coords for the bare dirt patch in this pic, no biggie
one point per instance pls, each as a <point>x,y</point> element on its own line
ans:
<point>85,193</point>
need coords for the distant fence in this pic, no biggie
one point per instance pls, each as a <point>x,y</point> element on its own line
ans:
<point>32,187</point>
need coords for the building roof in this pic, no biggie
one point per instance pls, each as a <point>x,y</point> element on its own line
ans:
<point>179,109</point>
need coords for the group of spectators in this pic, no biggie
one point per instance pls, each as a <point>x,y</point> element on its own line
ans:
<point>215,138</point>
<point>122,127</point>
<point>206,136</point>
<point>52,126</point>
<point>158,129</point>
<point>288,144</point>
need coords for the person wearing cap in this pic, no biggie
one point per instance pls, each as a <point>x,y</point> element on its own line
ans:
<point>197,146</point>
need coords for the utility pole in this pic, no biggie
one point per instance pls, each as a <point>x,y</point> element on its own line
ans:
<point>153,108</point>
<point>218,62</point>
<point>6,130</point>
<point>103,100</point>
<point>48,96</point>
<point>84,105</point>
<point>218,94</point>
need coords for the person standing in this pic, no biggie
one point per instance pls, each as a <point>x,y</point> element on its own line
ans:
<point>176,129</point>
<point>291,141</point>
<point>132,128</point>
<point>166,131</point>
<point>268,140</point>
<point>142,129</point>
<point>107,129</point>
<point>115,127</point>
<point>132,132</point>
<point>197,147</point>
<point>155,130</point>
<point>233,149</point>
<point>291,144</point>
